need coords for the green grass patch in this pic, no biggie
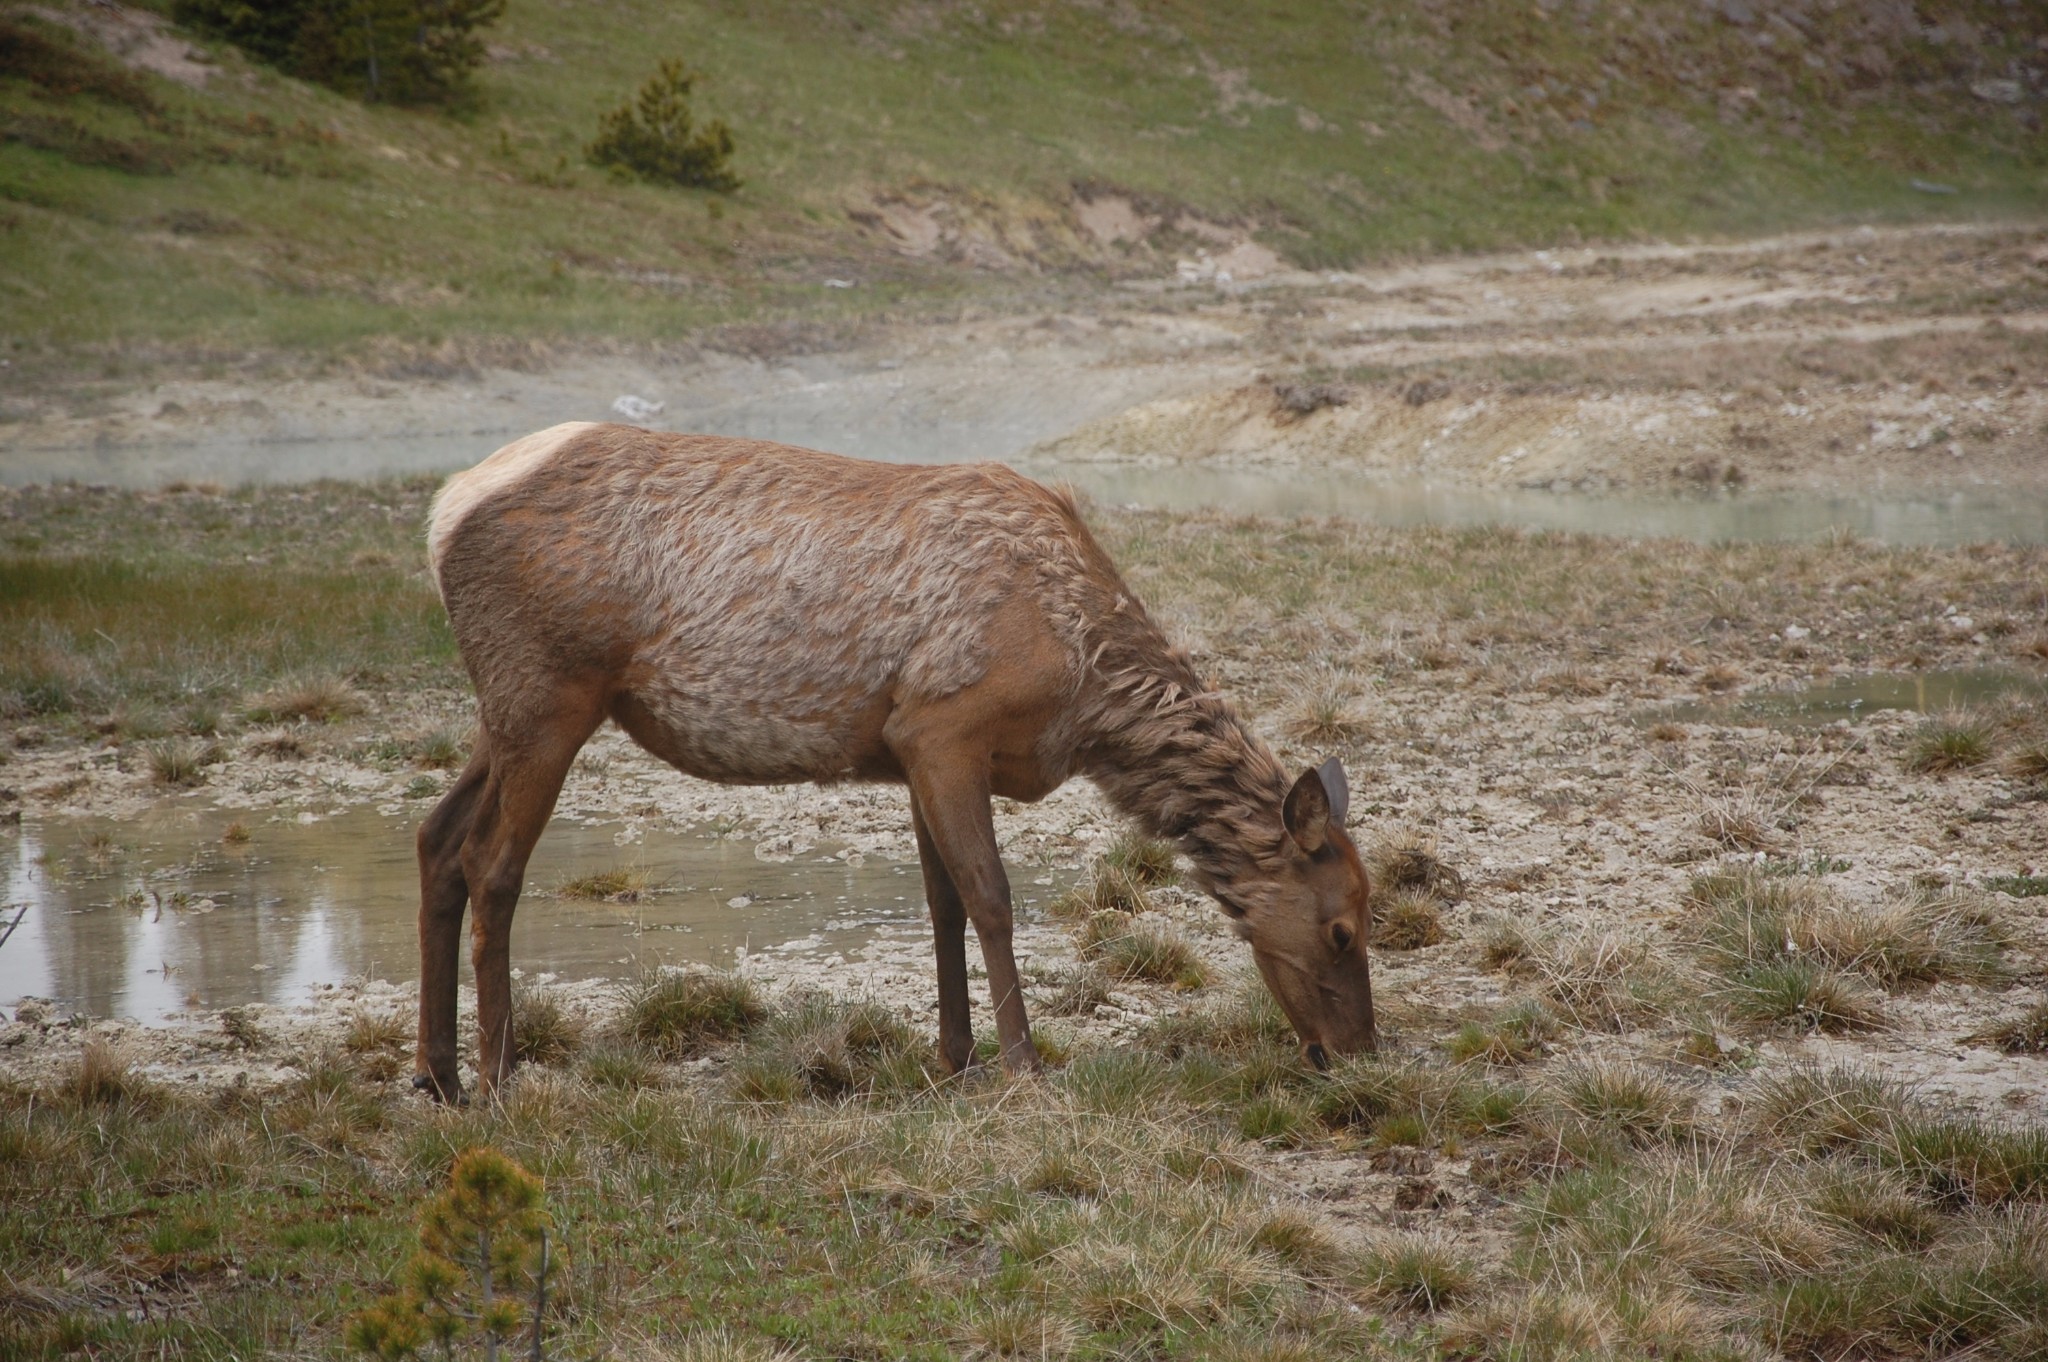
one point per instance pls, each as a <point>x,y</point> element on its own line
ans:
<point>1519,1034</point>
<point>135,604</point>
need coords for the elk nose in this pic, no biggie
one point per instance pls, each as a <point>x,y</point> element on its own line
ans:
<point>1317,1056</point>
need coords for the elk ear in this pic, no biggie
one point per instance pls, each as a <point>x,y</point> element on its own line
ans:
<point>1337,788</point>
<point>1306,813</point>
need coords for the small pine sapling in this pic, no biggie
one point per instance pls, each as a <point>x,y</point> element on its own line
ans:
<point>656,138</point>
<point>483,1246</point>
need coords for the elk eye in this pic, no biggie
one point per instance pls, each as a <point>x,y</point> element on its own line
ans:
<point>1340,936</point>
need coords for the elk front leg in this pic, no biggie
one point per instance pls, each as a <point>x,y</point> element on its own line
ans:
<point>956,815</point>
<point>949,942</point>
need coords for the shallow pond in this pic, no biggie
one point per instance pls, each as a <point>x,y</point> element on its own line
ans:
<point>1892,518</point>
<point>157,916</point>
<point>1959,518</point>
<point>1852,697</point>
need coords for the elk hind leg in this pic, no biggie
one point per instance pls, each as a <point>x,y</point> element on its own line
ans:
<point>444,893</point>
<point>949,941</point>
<point>513,812</point>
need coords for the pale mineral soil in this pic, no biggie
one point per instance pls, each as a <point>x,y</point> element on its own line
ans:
<point>1541,760</point>
<point>1903,359</point>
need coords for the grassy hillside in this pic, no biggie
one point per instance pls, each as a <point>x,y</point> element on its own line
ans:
<point>935,152</point>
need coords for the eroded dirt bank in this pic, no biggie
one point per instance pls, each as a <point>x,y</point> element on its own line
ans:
<point>1855,358</point>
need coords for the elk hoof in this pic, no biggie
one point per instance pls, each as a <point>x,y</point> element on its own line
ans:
<point>451,1094</point>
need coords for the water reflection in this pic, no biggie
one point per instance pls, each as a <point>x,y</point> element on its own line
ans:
<point>149,917</point>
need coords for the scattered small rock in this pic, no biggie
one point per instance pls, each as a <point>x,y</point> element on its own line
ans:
<point>1297,400</point>
<point>637,408</point>
<point>1424,391</point>
<point>1422,1194</point>
<point>1406,1160</point>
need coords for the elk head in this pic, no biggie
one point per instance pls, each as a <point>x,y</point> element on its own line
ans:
<point>1308,927</point>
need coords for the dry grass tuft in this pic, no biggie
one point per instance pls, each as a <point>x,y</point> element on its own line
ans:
<point>1021,1328</point>
<point>1802,995</point>
<point>1142,860</point>
<point>1981,1296</point>
<point>1243,1020</point>
<point>621,1067</point>
<point>280,744</point>
<point>182,762</point>
<point>241,1029</point>
<point>1128,949</point>
<point>317,700</point>
<point>2026,1034</point>
<point>1602,980</point>
<point>1963,1160</point>
<point>716,1345</point>
<point>1679,1221</point>
<point>2028,760</point>
<point>1279,1120</point>
<point>103,1077</point>
<point>678,1014</point>
<point>1741,820</point>
<point>443,749</point>
<point>1323,710</point>
<point>1412,1102</point>
<point>1408,864</point>
<point>1298,1237</point>
<point>1814,1108</point>
<point>1406,921</point>
<point>1539,1326</point>
<point>1623,1097</point>
<point>832,1051</point>
<point>1418,1270</point>
<point>1747,921</point>
<point>1505,944</point>
<point>374,1032</point>
<point>544,1030</point>
<point>1077,992</point>
<point>621,884</point>
<point>1954,741</point>
<point>1107,889</point>
<point>1876,1202</point>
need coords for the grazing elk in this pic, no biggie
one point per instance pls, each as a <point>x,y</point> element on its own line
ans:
<point>758,614</point>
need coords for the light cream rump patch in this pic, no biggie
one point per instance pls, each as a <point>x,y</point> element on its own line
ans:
<point>472,487</point>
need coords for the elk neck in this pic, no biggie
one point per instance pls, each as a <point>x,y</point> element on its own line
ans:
<point>1179,760</point>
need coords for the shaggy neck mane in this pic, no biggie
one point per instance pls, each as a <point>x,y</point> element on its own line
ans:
<point>1181,761</point>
